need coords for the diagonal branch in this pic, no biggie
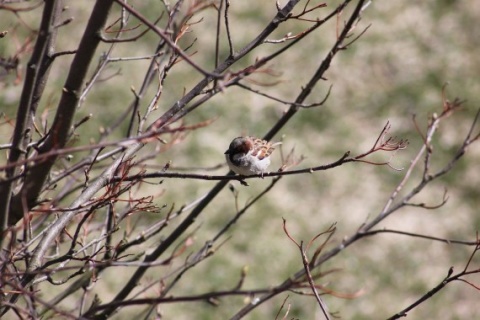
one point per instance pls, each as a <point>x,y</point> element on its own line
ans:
<point>59,133</point>
<point>68,102</point>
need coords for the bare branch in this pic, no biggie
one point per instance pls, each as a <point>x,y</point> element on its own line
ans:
<point>449,278</point>
<point>167,39</point>
<point>34,85</point>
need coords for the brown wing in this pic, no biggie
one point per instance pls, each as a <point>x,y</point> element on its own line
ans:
<point>262,148</point>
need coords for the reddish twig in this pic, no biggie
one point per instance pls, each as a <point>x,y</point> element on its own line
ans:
<point>306,266</point>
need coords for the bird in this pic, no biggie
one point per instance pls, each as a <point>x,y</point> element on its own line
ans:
<point>249,155</point>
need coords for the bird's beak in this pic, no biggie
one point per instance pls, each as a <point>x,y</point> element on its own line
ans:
<point>227,152</point>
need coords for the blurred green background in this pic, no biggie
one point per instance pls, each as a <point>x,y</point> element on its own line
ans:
<point>395,70</point>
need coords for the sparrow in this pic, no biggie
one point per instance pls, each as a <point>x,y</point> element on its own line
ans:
<point>247,156</point>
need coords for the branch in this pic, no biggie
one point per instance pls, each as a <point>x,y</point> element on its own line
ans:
<point>56,228</point>
<point>167,117</point>
<point>35,81</point>
<point>167,39</point>
<point>59,133</point>
<point>161,174</point>
<point>449,278</point>
<point>416,235</point>
<point>306,266</point>
<point>385,212</point>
